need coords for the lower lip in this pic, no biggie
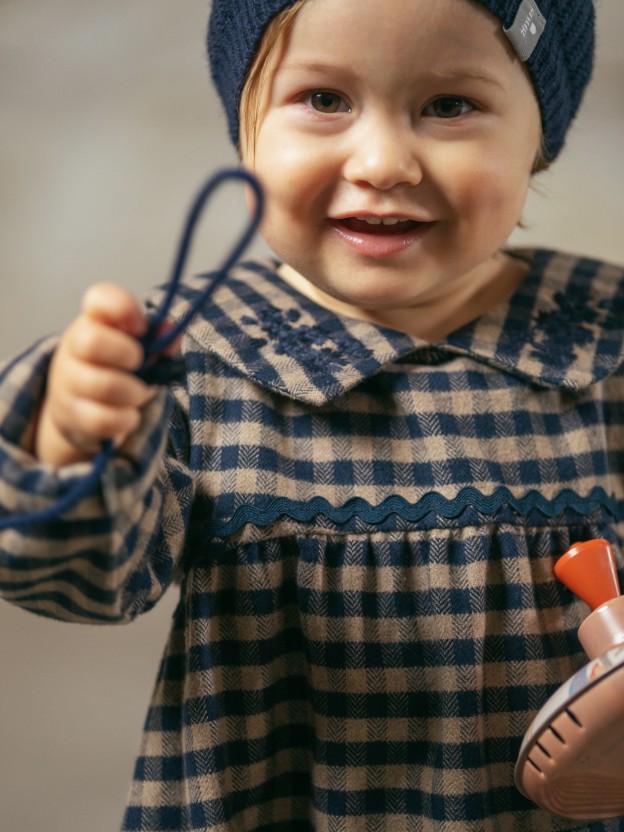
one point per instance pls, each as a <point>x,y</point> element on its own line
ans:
<point>381,245</point>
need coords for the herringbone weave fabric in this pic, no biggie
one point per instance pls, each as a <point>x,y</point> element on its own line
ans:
<point>364,528</point>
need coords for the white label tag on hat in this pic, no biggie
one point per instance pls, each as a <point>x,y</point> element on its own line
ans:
<point>527,29</point>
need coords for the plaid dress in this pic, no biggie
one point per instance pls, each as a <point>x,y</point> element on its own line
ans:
<point>364,528</point>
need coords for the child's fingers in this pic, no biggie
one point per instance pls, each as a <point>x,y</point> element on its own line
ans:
<point>96,403</point>
<point>105,385</point>
<point>112,306</point>
<point>86,423</point>
<point>93,392</point>
<point>91,341</point>
<point>116,307</point>
<point>86,404</point>
<point>174,347</point>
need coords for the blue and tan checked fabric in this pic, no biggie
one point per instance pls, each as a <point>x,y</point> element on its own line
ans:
<point>364,528</point>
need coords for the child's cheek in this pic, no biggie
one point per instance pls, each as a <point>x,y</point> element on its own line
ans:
<point>495,185</point>
<point>287,165</point>
<point>295,179</point>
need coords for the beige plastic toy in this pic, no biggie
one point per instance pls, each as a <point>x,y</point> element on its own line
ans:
<point>572,758</point>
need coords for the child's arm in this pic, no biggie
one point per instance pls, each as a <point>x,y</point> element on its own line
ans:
<point>111,556</point>
<point>92,392</point>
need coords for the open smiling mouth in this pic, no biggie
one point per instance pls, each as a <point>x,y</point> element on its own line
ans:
<point>379,226</point>
<point>380,237</point>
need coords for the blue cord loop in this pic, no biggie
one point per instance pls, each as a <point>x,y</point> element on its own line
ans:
<point>157,369</point>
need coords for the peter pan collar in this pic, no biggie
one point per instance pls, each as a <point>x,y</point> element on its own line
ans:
<point>564,327</point>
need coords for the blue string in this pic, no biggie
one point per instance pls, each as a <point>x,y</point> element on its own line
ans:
<point>156,369</point>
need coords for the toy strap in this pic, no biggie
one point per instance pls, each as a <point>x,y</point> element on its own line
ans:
<point>155,368</point>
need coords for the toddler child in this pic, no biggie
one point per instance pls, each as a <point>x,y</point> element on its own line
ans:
<point>384,437</point>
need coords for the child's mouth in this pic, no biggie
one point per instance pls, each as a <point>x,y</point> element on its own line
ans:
<point>380,237</point>
<point>380,226</point>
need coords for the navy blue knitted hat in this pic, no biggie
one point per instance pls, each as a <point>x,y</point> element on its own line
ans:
<point>555,38</point>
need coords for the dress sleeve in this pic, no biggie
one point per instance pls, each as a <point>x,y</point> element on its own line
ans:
<point>113,555</point>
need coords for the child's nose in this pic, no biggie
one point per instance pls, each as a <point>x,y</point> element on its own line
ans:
<point>383,155</point>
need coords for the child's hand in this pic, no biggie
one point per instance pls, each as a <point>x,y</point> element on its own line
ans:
<point>92,392</point>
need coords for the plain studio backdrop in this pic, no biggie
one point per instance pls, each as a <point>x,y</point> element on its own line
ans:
<point>109,126</point>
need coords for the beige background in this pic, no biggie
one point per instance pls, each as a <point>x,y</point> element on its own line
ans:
<point>109,125</point>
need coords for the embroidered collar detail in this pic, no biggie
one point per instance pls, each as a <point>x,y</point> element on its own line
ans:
<point>258,324</point>
<point>564,327</point>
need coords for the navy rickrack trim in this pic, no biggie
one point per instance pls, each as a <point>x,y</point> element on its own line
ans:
<point>433,502</point>
<point>155,369</point>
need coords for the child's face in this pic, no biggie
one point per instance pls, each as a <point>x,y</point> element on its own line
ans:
<point>406,110</point>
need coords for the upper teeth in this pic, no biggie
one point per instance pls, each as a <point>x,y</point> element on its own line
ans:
<point>381,220</point>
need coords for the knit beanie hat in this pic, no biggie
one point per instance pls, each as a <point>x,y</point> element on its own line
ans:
<point>554,38</point>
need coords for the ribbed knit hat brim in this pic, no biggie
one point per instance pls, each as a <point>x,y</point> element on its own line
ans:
<point>560,64</point>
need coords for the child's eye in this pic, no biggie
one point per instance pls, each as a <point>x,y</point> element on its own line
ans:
<point>327,102</point>
<point>448,106</point>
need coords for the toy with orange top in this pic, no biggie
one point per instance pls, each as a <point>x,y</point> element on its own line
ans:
<point>572,758</point>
